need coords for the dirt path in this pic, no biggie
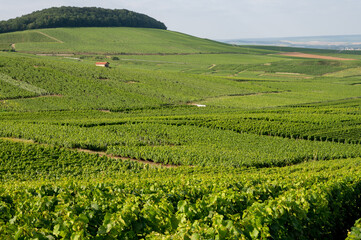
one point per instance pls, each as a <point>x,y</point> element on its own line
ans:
<point>56,54</point>
<point>46,35</point>
<point>17,140</point>
<point>124,158</point>
<point>305,55</point>
<point>211,67</point>
<point>91,152</point>
<point>104,110</point>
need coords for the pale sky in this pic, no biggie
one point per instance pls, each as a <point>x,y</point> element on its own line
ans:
<point>225,19</point>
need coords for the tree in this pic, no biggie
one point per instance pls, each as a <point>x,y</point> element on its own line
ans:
<point>79,17</point>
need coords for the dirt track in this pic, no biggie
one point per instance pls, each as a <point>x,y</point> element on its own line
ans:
<point>46,35</point>
<point>91,152</point>
<point>305,55</point>
<point>124,158</point>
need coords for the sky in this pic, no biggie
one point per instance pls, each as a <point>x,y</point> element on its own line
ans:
<point>225,19</point>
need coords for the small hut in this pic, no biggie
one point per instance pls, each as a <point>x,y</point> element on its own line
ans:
<point>102,64</point>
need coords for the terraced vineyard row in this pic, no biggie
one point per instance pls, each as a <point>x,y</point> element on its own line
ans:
<point>83,86</point>
<point>136,202</point>
<point>333,124</point>
<point>182,145</point>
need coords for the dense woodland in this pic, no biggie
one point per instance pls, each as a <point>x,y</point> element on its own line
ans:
<point>79,17</point>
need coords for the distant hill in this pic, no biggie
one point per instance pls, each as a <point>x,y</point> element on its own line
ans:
<point>57,17</point>
<point>116,40</point>
<point>341,42</point>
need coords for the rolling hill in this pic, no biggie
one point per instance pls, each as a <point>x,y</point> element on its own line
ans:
<point>112,41</point>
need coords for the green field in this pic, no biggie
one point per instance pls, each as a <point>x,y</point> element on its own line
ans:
<point>114,41</point>
<point>274,152</point>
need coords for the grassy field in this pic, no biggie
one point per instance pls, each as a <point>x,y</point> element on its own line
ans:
<point>115,41</point>
<point>273,152</point>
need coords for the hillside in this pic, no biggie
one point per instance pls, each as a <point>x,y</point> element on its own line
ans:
<point>180,138</point>
<point>119,40</point>
<point>57,17</point>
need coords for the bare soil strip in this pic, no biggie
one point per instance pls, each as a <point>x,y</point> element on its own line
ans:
<point>56,55</point>
<point>91,152</point>
<point>211,67</point>
<point>17,140</point>
<point>104,110</point>
<point>46,35</point>
<point>124,158</point>
<point>305,55</point>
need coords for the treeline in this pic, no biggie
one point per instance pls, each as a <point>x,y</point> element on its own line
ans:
<point>79,17</point>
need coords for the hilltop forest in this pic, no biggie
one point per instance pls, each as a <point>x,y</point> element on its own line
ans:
<point>79,17</point>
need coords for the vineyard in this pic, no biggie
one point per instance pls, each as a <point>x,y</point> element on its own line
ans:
<point>114,41</point>
<point>72,195</point>
<point>126,152</point>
